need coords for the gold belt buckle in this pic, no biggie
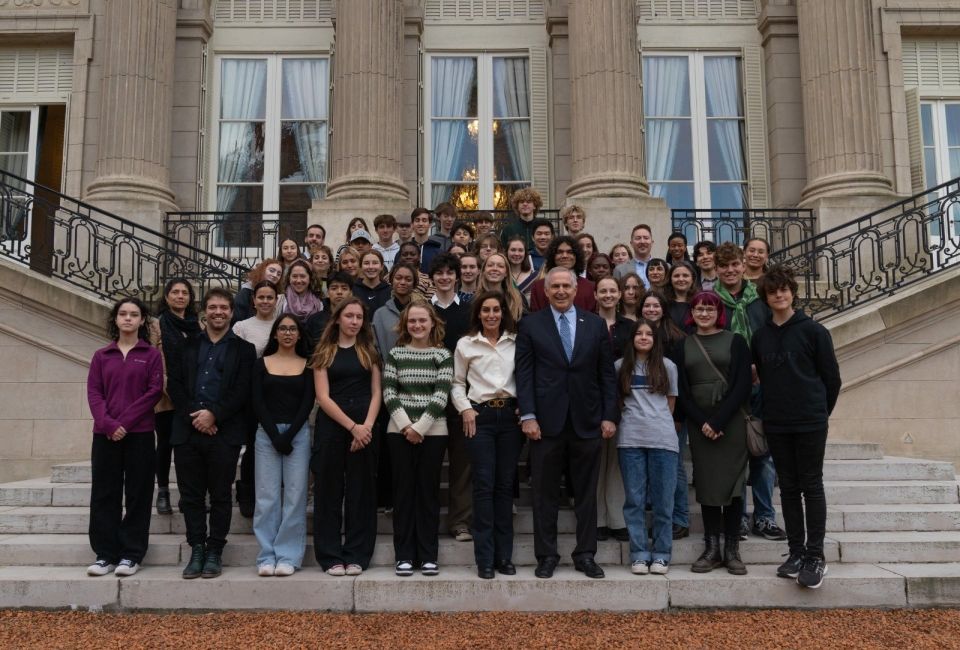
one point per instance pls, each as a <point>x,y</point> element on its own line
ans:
<point>497,403</point>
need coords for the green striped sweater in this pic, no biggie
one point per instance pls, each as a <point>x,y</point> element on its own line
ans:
<point>416,386</point>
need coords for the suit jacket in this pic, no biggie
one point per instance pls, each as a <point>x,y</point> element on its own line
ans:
<point>231,410</point>
<point>552,388</point>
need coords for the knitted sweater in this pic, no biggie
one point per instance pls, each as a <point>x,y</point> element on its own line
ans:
<point>416,385</point>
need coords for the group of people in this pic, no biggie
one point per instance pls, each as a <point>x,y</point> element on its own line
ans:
<point>369,366</point>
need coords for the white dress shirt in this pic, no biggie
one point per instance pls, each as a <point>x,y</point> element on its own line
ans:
<point>487,369</point>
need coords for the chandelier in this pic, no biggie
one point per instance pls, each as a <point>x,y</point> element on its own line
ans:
<point>473,128</point>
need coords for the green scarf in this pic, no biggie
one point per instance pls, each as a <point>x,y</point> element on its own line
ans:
<point>740,322</point>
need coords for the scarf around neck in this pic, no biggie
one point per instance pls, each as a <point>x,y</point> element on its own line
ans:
<point>302,305</point>
<point>739,321</point>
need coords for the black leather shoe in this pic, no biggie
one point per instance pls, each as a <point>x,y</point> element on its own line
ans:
<point>545,567</point>
<point>620,534</point>
<point>589,568</point>
<point>163,502</point>
<point>213,565</point>
<point>195,565</point>
<point>485,572</point>
<point>679,532</point>
<point>507,568</point>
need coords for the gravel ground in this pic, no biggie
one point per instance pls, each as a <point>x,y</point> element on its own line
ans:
<point>860,629</point>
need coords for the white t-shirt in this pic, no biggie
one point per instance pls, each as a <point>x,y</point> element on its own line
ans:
<point>647,421</point>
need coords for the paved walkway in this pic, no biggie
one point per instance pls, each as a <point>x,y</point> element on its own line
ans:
<point>769,629</point>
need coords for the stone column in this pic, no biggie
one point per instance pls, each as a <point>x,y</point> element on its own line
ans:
<point>841,122</point>
<point>366,171</point>
<point>606,122</point>
<point>136,102</point>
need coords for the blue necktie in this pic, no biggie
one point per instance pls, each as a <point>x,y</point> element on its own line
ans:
<point>565,338</point>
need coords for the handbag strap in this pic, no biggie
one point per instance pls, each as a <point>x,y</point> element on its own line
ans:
<point>723,377</point>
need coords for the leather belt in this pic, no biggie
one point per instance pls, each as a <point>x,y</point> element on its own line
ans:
<point>498,403</point>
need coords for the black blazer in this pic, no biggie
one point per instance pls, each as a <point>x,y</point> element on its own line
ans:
<point>231,411</point>
<point>551,388</point>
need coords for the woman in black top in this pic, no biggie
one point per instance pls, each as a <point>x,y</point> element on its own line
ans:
<point>346,371</point>
<point>282,397</point>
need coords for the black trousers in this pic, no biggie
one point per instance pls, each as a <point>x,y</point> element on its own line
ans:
<point>416,497</point>
<point>206,465</point>
<point>384,467</point>
<point>549,458</point>
<point>798,458</point>
<point>460,503</point>
<point>164,423</point>
<point>345,491</point>
<point>246,486</point>
<point>723,520</point>
<point>122,471</point>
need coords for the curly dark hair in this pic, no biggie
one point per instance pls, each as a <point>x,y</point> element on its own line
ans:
<point>114,332</point>
<point>552,253</point>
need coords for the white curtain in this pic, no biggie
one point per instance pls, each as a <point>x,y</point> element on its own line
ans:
<point>305,100</point>
<point>452,82</point>
<point>666,86</point>
<point>511,99</point>
<point>243,88</point>
<point>722,82</point>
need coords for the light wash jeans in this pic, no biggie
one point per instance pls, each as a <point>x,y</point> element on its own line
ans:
<point>280,516</point>
<point>649,475</point>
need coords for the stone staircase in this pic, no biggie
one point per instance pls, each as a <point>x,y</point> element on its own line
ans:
<point>893,540</point>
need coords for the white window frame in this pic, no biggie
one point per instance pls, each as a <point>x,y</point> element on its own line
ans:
<point>485,182</point>
<point>34,110</point>
<point>272,125</point>
<point>941,149</point>
<point>698,124</point>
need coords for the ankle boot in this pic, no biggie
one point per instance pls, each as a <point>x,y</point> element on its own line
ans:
<point>195,566</point>
<point>212,564</point>
<point>731,557</point>
<point>163,502</point>
<point>711,558</point>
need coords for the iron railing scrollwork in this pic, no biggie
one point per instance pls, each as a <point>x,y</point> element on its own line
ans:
<point>99,252</point>
<point>779,227</point>
<point>877,254</point>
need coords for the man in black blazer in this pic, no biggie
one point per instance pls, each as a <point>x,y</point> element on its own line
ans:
<point>566,390</point>
<point>208,379</point>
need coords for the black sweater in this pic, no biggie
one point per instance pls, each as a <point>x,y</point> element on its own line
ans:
<point>799,374</point>
<point>281,399</point>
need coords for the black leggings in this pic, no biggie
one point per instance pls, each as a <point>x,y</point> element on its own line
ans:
<point>164,425</point>
<point>723,520</point>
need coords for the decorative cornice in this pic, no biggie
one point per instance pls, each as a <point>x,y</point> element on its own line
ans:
<point>72,7</point>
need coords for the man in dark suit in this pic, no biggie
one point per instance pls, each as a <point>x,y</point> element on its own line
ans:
<point>208,379</point>
<point>566,390</point>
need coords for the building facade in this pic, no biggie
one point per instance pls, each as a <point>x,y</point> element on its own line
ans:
<point>342,108</point>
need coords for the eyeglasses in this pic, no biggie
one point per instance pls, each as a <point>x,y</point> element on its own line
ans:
<point>287,329</point>
<point>704,310</point>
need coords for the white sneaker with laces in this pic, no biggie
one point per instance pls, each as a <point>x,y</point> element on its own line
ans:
<point>126,568</point>
<point>659,567</point>
<point>284,569</point>
<point>100,568</point>
<point>639,568</point>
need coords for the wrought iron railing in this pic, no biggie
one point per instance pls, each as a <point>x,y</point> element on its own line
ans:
<point>97,251</point>
<point>780,227</point>
<point>877,254</point>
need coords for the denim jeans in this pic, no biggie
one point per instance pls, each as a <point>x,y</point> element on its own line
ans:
<point>494,452</point>
<point>280,516</point>
<point>681,506</point>
<point>762,477</point>
<point>649,475</point>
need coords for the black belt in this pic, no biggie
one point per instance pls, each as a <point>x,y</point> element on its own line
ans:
<point>497,403</point>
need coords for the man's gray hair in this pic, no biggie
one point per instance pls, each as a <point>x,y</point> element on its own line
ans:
<point>560,269</point>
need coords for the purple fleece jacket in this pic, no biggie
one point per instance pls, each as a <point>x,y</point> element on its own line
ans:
<point>123,392</point>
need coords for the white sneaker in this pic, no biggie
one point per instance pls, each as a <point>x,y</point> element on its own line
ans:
<point>126,568</point>
<point>284,569</point>
<point>659,567</point>
<point>354,569</point>
<point>265,570</point>
<point>100,568</point>
<point>639,568</point>
<point>337,570</point>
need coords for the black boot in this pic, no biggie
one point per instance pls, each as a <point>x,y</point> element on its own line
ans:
<point>711,558</point>
<point>731,557</point>
<point>213,564</point>
<point>245,499</point>
<point>195,566</point>
<point>163,502</point>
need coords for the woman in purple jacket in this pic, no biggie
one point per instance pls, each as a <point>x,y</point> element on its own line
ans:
<point>124,384</point>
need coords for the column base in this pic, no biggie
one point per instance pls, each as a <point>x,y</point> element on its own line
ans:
<point>611,218</point>
<point>334,214</point>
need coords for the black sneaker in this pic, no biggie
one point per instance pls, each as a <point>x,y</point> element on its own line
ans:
<point>744,530</point>
<point>212,564</point>
<point>791,567</point>
<point>812,572</point>
<point>768,530</point>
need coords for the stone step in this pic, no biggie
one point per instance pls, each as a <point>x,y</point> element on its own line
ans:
<point>913,546</point>
<point>850,450</point>
<point>459,589</point>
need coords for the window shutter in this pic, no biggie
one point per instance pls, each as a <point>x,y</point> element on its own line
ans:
<point>36,74</point>
<point>539,147</point>
<point>756,127</point>
<point>915,140</point>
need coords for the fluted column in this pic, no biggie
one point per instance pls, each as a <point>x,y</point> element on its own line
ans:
<point>841,122</point>
<point>366,160</point>
<point>606,117</point>
<point>136,103</point>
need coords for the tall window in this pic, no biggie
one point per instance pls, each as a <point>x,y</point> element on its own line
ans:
<point>940,122</point>
<point>479,130</point>
<point>273,116</point>
<point>18,141</point>
<point>694,121</point>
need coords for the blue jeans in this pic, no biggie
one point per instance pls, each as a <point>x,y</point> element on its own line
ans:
<point>494,452</point>
<point>280,516</point>
<point>681,507</point>
<point>649,474</point>
<point>762,477</point>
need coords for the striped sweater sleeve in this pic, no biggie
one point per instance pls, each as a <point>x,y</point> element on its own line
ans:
<point>442,377</point>
<point>391,391</point>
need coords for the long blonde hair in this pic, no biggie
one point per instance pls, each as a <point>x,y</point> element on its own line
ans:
<point>436,332</point>
<point>506,287</point>
<point>328,344</point>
